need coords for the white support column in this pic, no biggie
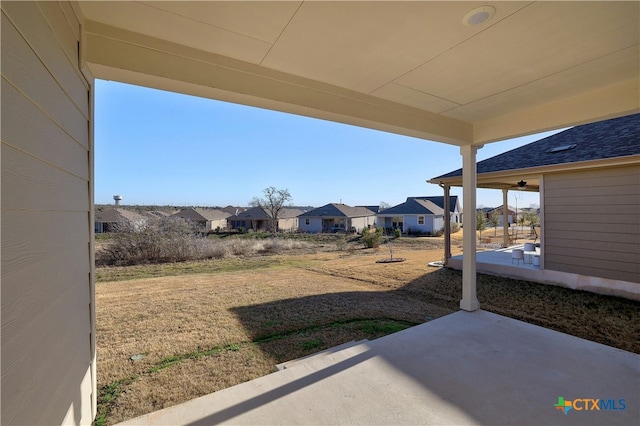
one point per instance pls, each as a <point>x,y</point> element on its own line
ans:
<point>505,218</point>
<point>469,300</point>
<point>447,223</point>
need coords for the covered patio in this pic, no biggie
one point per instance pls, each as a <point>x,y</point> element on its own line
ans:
<point>460,73</point>
<point>464,368</point>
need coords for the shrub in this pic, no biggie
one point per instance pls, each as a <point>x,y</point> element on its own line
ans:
<point>397,232</point>
<point>455,227</point>
<point>372,237</point>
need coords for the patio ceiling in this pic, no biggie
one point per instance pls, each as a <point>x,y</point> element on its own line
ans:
<point>412,68</point>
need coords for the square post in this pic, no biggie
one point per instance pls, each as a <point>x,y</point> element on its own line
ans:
<point>469,300</point>
<point>505,218</point>
<point>447,224</point>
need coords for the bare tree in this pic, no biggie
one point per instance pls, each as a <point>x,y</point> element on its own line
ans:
<point>273,202</point>
<point>494,220</point>
<point>384,205</point>
<point>481,221</point>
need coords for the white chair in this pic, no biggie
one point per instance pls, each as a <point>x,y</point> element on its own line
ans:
<point>529,249</point>
<point>518,255</point>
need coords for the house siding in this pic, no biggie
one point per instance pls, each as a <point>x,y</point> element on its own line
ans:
<point>431,223</point>
<point>315,224</point>
<point>48,371</point>
<point>359,223</point>
<point>591,222</point>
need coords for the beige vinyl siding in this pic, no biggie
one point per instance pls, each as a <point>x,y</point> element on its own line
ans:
<point>592,222</point>
<point>46,236</point>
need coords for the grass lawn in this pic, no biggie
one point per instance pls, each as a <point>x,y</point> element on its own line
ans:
<point>170,333</point>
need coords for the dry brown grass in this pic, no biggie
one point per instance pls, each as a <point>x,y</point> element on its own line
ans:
<point>209,330</point>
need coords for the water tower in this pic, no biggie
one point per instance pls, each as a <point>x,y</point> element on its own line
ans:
<point>117,199</point>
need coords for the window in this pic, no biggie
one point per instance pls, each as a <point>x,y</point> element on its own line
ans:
<point>307,221</point>
<point>420,220</point>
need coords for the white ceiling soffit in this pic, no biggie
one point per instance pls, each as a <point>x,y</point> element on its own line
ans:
<point>407,67</point>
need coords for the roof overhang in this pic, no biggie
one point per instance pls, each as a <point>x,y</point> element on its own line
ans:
<point>411,68</point>
<point>508,179</point>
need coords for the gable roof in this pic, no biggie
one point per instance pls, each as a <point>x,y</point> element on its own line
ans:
<point>618,137</point>
<point>414,205</point>
<point>117,215</point>
<point>438,200</point>
<point>259,213</point>
<point>338,210</point>
<point>199,214</point>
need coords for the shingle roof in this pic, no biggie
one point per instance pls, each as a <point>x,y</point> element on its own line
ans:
<point>414,205</point>
<point>117,215</point>
<point>338,210</point>
<point>258,213</point>
<point>438,200</point>
<point>613,138</point>
<point>199,214</point>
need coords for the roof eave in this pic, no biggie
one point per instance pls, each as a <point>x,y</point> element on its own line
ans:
<point>537,171</point>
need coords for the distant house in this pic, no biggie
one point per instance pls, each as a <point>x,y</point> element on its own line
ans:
<point>418,215</point>
<point>259,219</point>
<point>206,219</point>
<point>336,217</point>
<point>114,219</point>
<point>588,178</point>
<point>511,215</point>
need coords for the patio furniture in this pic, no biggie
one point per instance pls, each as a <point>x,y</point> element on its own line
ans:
<point>517,255</point>
<point>529,250</point>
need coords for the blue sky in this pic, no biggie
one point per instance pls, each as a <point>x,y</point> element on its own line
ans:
<point>162,148</point>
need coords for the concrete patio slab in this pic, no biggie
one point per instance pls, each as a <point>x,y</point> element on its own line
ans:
<point>500,263</point>
<point>464,368</point>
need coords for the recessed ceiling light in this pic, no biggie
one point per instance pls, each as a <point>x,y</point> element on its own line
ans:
<point>479,15</point>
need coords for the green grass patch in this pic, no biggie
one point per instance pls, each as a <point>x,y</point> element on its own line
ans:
<point>371,326</point>
<point>312,344</point>
<point>107,396</point>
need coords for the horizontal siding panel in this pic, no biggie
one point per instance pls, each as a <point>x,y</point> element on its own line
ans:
<point>45,347</point>
<point>24,70</point>
<point>33,237</point>
<point>603,180</point>
<point>27,127</point>
<point>42,41</point>
<point>596,255</point>
<point>587,228</point>
<point>588,191</point>
<point>598,200</point>
<point>68,37</point>
<point>593,272</point>
<point>616,246</point>
<point>632,209</point>
<point>594,236</point>
<point>595,264</point>
<point>591,176</point>
<point>71,17</point>
<point>591,218</point>
<point>30,184</point>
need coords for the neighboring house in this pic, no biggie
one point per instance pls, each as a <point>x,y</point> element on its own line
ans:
<point>589,183</point>
<point>232,210</point>
<point>511,215</point>
<point>114,219</point>
<point>375,209</point>
<point>206,219</point>
<point>259,219</point>
<point>336,217</point>
<point>418,215</point>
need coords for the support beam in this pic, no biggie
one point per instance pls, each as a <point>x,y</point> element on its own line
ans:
<point>505,217</point>
<point>469,300</point>
<point>447,224</point>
